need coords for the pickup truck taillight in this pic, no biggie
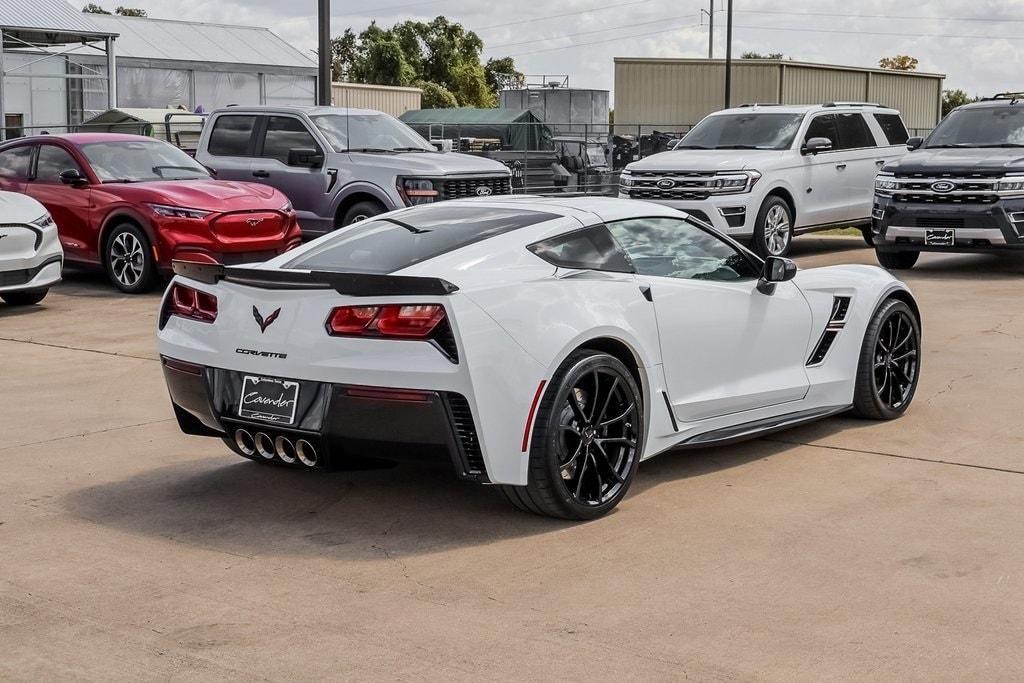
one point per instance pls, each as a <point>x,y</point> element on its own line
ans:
<point>399,321</point>
<point>189,303</point>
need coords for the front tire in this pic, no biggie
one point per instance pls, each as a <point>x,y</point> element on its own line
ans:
<point>773,229</point>
<point>361,211</point>
<point>129,260</point>
<point>897,260</point>
<point>890,363</point>
<point>25,298</point>
<point>587,440</point>
<point>869,237</point>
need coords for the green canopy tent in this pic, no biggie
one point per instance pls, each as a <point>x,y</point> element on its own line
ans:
<point>517,129</point>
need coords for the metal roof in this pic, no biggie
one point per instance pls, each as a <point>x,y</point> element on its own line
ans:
<point>47,22</point>
<point>146,38</point>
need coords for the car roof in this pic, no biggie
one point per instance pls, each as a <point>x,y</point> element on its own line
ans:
<point>603,208</point>
<point>806,108</point>
<point>993,103</point>
<point>83,138</point>
<point>294,109</point>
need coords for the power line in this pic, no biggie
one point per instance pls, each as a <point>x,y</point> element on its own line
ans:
<point>603,42</point>
<point>581,33</point>
<point>879,16</point>
<point>564,14</point>
<point>902,34</point>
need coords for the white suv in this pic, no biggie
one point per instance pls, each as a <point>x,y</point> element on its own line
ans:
<point>766,172</point>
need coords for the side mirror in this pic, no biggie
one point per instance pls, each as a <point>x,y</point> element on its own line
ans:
<point>815,145</point>
<point>305,156</point>
<point>74,177</point>
<point>914,142</point>
<point>776,270</point>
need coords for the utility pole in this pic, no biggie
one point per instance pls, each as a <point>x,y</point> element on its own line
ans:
<point>711,31</point>
<point>323,97</point>
<point>728,55</point>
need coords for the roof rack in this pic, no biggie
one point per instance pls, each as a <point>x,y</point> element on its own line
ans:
<point>761,104</point>
<point>1012,96</point>
<point>853,104</point>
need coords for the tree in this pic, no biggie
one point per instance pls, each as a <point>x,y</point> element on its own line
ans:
<point>439,56</point>
<point>898,63</point>
<point>758,55</point>
<point>502,73</point>
<point>951,99</point>
<point>93,8</point>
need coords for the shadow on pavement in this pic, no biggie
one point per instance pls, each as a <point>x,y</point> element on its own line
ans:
<point>251,509</point>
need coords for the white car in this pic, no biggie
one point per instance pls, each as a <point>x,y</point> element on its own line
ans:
<point>764,173</point>
<point>546,345</point>
<point>31,257</point>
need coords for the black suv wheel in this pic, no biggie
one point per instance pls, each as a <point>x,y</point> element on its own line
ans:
<point>897,260</point>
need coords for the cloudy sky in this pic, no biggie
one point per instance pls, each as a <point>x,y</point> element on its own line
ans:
<point>977,43</point>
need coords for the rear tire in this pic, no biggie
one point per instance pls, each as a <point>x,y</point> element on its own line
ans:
<point>773,229</point>
<point>361,211</point>
<point>587,440</point>
<point>129,260</point>
<point>869,237</point>
<point>897,260</point>
<point>29,297</point>
<point>890,363</point>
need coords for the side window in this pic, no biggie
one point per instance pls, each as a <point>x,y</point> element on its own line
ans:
<point>52,162</point>
<point>589,249</point>
<point>231,135</point>
<point>285,133</point>
<point>669,247</point>
<point>14,163</point>
<point>892,126</point>
<point>823,126</point>
<point>853,132</point>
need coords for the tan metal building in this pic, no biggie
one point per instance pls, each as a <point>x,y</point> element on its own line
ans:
<point>388,99</point>
<point>671,93</point>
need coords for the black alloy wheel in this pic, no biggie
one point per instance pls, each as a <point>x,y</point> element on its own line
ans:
<point>890,362</point>
<point>587,440</point>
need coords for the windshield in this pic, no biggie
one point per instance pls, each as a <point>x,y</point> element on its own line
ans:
<point>743,131</point>
<point>369,133</point>
<point>982,127</point>
<point>132,161</point>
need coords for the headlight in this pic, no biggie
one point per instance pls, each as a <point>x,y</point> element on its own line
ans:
<point>178,211</point>
<point>287,208</point>
<point>626,179</point>
<point>1011,184</point>
<point>734,182</point>
<point>886,182</point>
<point>417,191</point>
<point>44,221</point>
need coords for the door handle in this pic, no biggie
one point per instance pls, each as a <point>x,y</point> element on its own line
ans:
<point>840,166</point>
<point>261,174</point>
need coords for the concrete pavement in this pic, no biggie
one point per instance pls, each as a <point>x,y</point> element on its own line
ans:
<point>844,549</point>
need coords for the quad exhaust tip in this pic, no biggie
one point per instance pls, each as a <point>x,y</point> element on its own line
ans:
<point>285,449</point>
<point>265,445</point>
<point>306,453</point>
<point>245,442</point>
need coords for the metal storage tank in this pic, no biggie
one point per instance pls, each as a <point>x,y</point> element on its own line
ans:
<point>674,94</point>
<point>580,108</point>
<point>388,99</point>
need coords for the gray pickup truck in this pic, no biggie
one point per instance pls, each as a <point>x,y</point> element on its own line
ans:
<point>339,166</point>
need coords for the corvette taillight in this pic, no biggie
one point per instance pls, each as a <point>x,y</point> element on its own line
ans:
<point>400,321</point>
<point>189,303</point>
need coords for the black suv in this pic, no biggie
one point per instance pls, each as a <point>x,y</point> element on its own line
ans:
<point>959,190</point>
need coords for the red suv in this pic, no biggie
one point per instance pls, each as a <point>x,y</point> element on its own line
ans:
<point>132,204</point>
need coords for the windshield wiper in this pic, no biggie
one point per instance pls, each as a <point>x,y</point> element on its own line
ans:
<point>1003,144</point>
<point>411,228</point>
<point>739,147</point>
<point>952,145</point>
<point>691,147</point>
<point>121,180</point>
<point>412,149</point>
<point>159,169</point>
<point>369,150</point>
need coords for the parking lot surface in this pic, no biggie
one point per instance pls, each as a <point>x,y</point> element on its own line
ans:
<point>846,549</point>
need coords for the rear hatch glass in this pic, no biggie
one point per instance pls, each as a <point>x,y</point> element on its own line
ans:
<point>392,242</point>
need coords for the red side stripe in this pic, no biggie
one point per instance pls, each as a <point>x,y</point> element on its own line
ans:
<point>533,411</point>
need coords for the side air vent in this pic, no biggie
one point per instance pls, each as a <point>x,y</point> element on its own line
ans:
<point>836,323</point>
<point>465,432</point>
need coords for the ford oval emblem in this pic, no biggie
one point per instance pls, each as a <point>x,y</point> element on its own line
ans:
<point>666,183</point>
<point>943,186</point>
<point>483,191</point>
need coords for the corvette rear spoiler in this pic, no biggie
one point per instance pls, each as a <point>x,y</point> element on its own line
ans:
<point>353,284</point>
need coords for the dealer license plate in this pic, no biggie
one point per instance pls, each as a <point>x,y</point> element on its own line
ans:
<point>940,238</point>
<point>268,400</point>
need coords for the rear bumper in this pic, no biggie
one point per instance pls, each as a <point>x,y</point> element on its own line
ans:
<point>343,421</point>
<point>903,226</point>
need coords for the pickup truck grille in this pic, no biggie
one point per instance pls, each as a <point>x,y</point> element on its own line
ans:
<point>657,193</point>
<point>475,187</point>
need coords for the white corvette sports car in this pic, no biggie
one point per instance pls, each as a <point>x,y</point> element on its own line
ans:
<point>546,345</point>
